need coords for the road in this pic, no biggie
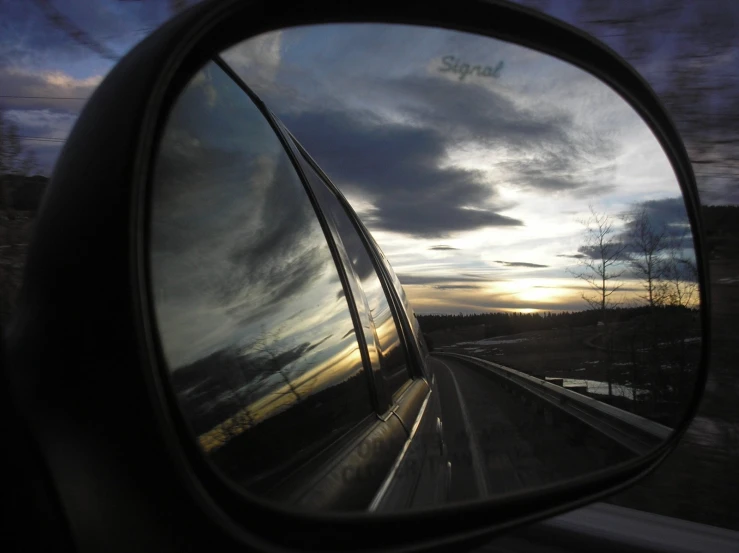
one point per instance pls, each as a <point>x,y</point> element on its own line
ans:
<point>499,444</point>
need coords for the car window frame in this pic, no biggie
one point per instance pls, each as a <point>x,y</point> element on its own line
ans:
<point>381,395</point>
<point>416,364</point>
<point>408,326</point>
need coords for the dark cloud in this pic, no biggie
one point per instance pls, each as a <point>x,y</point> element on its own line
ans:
<point>667,220</point>
<point>586,288</point>
<point>435,280</point>
<point>521,264</point>
<point>486,302</point>
<point>616,249</point>
<point>666,217</point>
<point>573,256</point>
<point>472,111</point>
<point>668,213</point>
<point>442,248</point>
<point>554,154</point>
<point>458,287</point>
<point>563,171</point>
<point>397,168</point>
<point>401,167</point>
<point>286,257</point>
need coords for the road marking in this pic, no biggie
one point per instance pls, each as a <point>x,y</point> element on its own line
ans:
<point>477,464</point>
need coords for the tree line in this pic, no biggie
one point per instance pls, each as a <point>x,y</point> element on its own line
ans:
<point>505,323</point>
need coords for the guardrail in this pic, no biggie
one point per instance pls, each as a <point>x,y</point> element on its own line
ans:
<point>633,432</point>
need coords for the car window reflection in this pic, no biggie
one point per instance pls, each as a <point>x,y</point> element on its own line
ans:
<point>253,321</point>
<point>391,351</point>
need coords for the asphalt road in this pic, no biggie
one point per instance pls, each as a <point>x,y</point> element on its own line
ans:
<point>498,444</point>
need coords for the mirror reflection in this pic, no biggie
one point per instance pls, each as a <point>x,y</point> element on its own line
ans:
<point>254,323</point>
<point>435,268</point>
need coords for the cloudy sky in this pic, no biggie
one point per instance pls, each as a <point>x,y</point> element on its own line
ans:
<point>472,186</point>
<point>474,183</point>
<point>46,74</point>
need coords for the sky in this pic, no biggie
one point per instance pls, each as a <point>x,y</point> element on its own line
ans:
<point>474,182</point>
<point>473,187</point>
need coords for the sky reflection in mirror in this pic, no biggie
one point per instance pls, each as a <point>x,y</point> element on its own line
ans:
<point>471,160</point>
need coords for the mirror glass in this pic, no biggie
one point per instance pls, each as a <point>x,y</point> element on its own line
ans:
<point>398,267</point>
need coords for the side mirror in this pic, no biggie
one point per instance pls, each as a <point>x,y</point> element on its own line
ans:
<point>246,367</point>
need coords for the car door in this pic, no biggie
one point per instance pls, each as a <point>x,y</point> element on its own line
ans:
<point>421,476</point>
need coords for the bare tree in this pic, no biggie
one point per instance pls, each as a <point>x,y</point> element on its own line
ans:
<point>647,246</point>
<point>681,273</point>
<point>601,269</point>
<point>602,266</point>
<point>265,346</point>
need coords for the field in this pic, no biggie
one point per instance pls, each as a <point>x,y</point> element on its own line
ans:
<point>650,377</point>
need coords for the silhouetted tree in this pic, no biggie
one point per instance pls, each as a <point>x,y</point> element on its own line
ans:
<point>646,246</point>
<point>602,266</point>
<point>681,273</point>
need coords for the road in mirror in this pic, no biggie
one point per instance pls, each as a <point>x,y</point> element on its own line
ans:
<point>532,218</point>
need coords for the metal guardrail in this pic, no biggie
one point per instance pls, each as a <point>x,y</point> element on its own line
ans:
<point>633,432</point>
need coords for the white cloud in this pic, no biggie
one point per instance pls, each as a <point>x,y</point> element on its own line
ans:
<point>19,81</point>
<point>62,80</point>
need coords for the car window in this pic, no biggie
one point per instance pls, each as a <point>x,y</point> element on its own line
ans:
<point>415,326</point>
<point>253,320</point>
<point>392,353</point>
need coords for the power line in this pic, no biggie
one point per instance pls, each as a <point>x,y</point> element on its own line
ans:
<point>60,20</point>
<point>42,97</point>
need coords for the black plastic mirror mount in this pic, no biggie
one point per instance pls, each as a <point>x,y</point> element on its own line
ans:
<point>122,435</point>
